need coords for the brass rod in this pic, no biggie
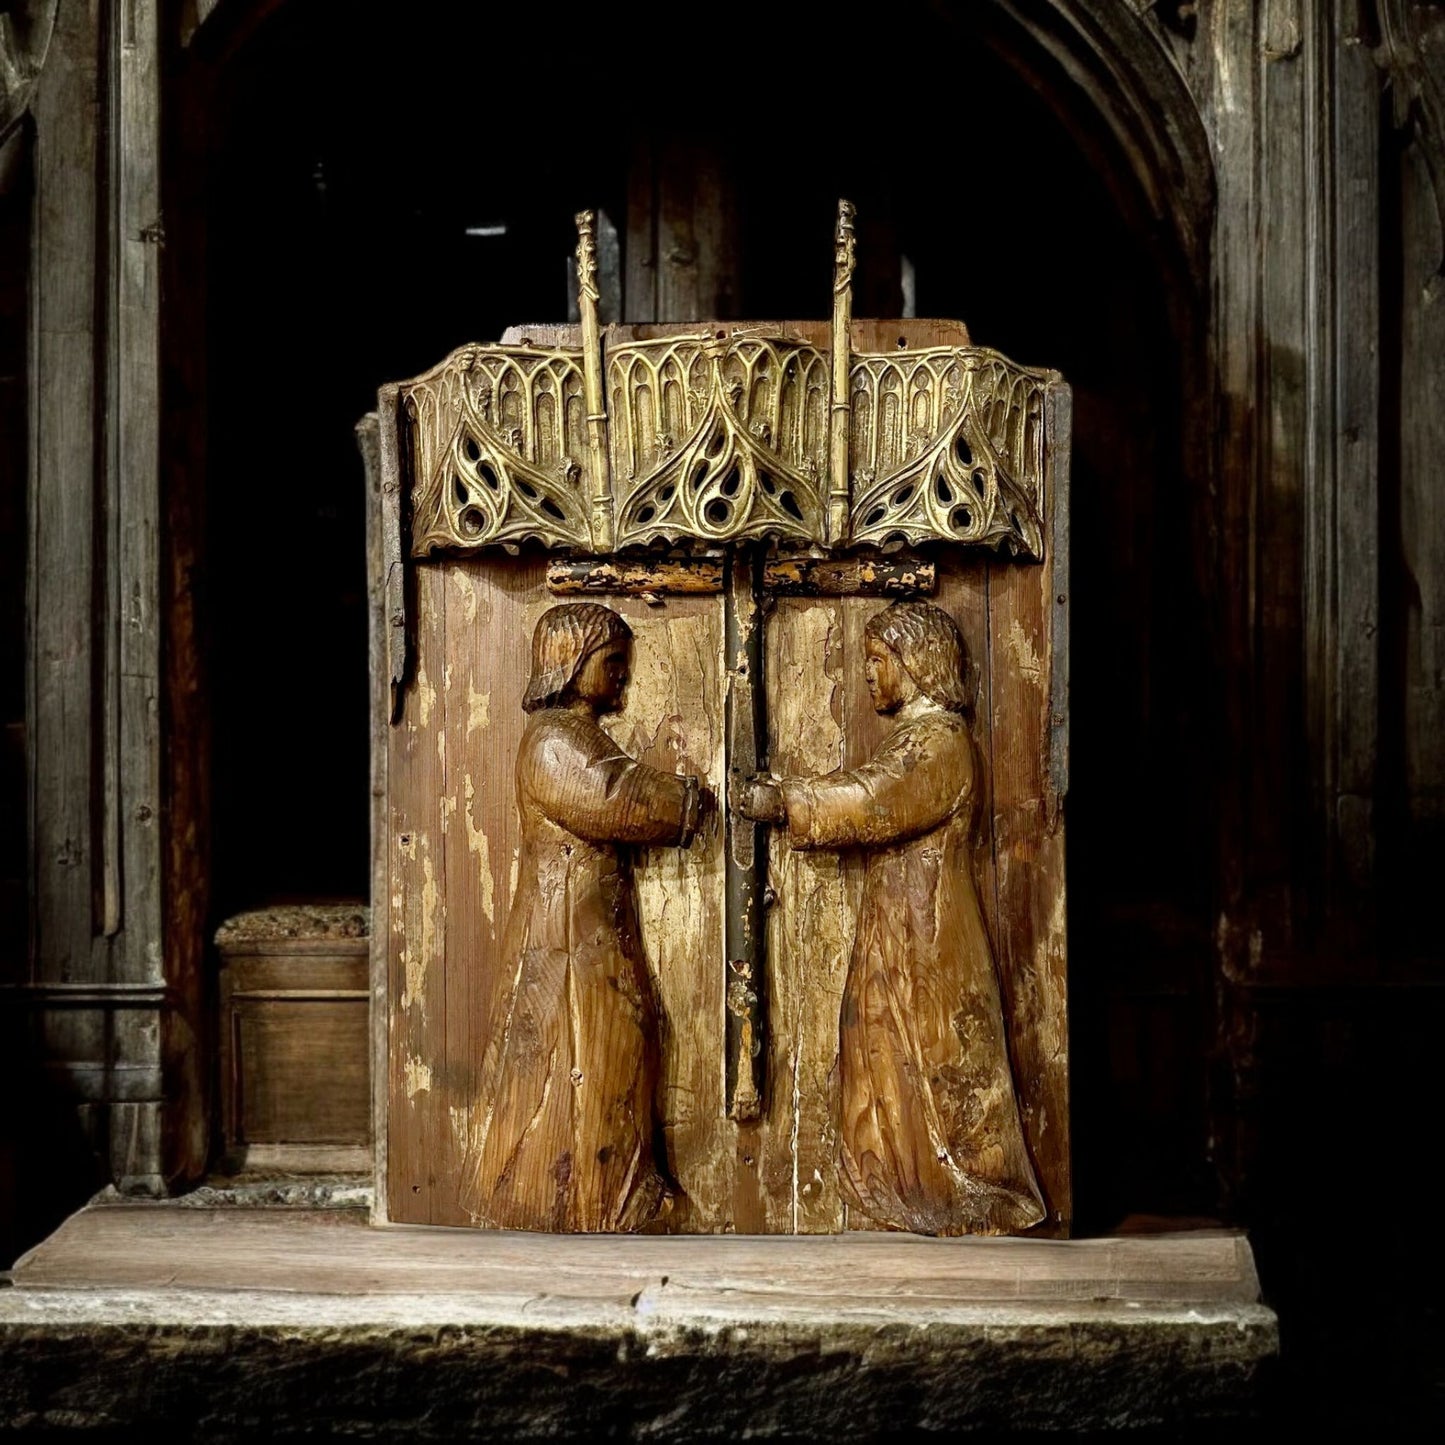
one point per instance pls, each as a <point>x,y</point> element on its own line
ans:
<point>599,470</point>
<point>839,419</point>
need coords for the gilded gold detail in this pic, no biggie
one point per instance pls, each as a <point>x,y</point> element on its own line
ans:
<point>497,434</point>
<point>948,443</point>
<point>717,438</point>
<point>725,435</point>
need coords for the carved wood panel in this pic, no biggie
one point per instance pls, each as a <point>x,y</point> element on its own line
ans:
<point>665,1016</point>
<point>455,851</point>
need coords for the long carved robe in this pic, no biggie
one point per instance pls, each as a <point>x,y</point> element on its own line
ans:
<point>563,1130</point>
<point>930,1137</point>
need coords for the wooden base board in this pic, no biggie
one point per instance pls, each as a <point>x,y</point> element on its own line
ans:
<point>166,1246</point>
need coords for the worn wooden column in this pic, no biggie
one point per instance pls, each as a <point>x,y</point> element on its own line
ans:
<point>97,984</point>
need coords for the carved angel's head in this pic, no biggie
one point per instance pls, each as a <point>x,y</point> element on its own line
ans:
<point>915,647</point>
<point>579,650</point>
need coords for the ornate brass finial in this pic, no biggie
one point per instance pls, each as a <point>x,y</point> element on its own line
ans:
<point>843,245</point>
<point>840,415</point>
<point>587,255</point>
<point>599,470</point>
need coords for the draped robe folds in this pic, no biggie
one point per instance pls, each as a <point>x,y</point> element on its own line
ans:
<point>564,1125</point>
<point>930,1136</point>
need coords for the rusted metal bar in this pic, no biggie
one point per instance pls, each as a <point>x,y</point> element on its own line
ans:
<point>669,577</point>
<point>747,849</point>
<point>840,411</point>
<point>894,576</point>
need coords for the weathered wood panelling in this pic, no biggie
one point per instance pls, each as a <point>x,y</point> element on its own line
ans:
<point>1420,678</point>
<point>455,841</point>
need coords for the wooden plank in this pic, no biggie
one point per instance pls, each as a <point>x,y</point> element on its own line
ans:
<point>1029,861</point>
<point>1352,425</point>
<point>132,484</point>
<point>699,261</point>
<point>666,577</point>
<point>639,291</point>
<point>492,608</point>
<point>810,926</point>
<point>850,576</point>
<point>673,721</point>
<point>416,996</point>
<point>377,473</point>
<point>471,923</point>
<point>1422,512</point>
<point>61,558</point>
<point>332,1252</point>
<point>186,712</point>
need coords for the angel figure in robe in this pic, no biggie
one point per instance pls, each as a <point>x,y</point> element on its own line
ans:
<point>929,1132</point>
<point>565,1130</point>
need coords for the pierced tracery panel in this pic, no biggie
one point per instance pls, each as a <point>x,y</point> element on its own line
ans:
<point>948,443</point>
<point>499,441</point>
<point>718,438</point>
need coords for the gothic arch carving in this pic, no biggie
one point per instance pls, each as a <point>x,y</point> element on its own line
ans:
<point>1114,66</point>
<point>25,31</point>
<point>1412,54</point>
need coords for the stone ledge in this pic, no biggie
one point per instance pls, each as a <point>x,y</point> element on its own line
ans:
<point>531,1336</point>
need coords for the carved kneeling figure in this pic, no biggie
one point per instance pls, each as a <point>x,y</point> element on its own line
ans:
<point>564,1126</point>
<point>929,1134</point>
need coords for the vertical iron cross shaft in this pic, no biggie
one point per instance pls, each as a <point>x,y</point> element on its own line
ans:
<point>747,846</point>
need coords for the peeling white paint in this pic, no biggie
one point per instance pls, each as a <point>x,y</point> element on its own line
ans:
<point>478,843</point>
<point>466,593</point>
<point>459,1116</point>
<point>421,941</point>
<point>479,709</point>
<point>1021,650</point>
<point>417,1076</point>
<point>426,696</point>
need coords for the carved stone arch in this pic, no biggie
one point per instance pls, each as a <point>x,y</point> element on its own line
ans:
<point>1109,74</point>
<point>25,31</point>
<point>1412,54</point>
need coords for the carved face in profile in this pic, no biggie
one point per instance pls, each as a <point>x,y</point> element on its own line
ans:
<point>601,681</point>
<point>889,684</point>
<point>581,652</point>
<point>912,648</point>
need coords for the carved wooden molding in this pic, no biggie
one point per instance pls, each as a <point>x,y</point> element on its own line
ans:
<point>731,433</point>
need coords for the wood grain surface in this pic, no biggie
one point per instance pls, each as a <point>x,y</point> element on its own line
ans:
<point>332,1252</point>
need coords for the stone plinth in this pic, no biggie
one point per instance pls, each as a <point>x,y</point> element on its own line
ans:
<point>226,1323</point>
